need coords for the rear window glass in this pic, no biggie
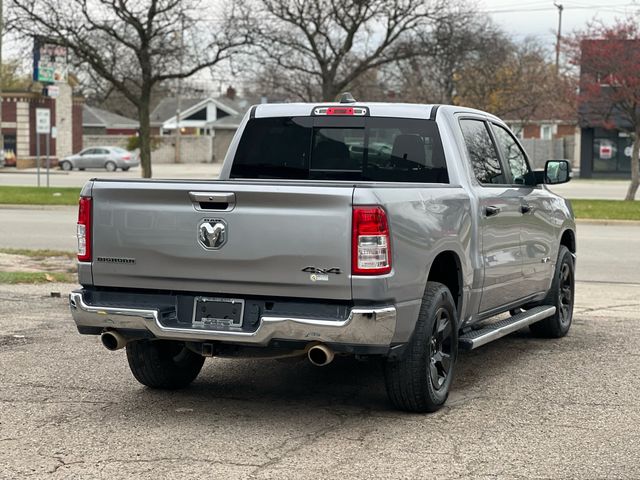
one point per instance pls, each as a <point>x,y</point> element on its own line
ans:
<point>341,148</point>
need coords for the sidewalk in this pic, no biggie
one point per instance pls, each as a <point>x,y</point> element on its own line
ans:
<point>593,189</point>
<point>76,178</point>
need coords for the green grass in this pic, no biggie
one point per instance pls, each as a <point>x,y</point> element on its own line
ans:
<point>37,253</point>
<point>39,196</point>
<point>606,209</point>
<point>36,277</point>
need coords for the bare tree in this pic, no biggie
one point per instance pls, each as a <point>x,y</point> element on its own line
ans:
<point>13,77</point>
<point>509,80</point>
<point>313,49</point>
<point>443,50</point>
<point>133,45</point>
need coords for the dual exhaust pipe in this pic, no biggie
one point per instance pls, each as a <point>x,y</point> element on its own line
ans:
<point>113,340</point>
<point>319,355</point>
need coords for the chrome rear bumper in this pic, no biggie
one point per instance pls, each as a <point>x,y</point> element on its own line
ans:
<point>364,326</point>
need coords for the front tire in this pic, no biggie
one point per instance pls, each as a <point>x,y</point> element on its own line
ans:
<point>66,166</point>
<point>561,295</point>
<point>420,381</point>
<point>163,364</point>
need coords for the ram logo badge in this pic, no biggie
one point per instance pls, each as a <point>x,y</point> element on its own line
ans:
<point>212,233</point>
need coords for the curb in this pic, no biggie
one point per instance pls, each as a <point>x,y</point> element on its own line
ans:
<point>601,221</point>
<point>43,172</point>
<point>10,206</point>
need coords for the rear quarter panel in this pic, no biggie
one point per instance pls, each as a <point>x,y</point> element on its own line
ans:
<point>424,221</point>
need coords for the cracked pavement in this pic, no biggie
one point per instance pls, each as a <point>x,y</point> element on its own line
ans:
<point>520,407</point>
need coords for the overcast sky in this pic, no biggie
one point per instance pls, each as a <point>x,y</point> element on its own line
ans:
<point>540,18</point>
<point>521,18</point>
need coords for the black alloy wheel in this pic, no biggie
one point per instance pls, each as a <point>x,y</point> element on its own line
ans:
<point>565,294</point>
<point>420,379</point>
<point>562,296</point>
<point>440,349</point>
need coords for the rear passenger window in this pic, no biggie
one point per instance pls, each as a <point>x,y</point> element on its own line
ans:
<point>482,152</point>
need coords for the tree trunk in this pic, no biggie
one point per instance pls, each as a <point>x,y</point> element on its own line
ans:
<point>329,93</point>
<point>145,134</point>
<point>635,167</point>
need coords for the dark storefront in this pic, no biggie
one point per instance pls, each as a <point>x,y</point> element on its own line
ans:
<point>605,153</point>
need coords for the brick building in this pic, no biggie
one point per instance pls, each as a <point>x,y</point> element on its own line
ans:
<point>606,143</point>
<point>19,120</point>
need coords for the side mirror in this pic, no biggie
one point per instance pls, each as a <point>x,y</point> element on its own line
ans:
<point>555,172</point>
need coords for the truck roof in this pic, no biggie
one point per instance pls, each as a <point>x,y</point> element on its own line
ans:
<point>376,109</point>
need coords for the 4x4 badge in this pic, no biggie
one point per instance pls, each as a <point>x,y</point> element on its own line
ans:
<point>322,271</point>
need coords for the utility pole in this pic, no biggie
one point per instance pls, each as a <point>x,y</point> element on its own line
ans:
<point>178,152</point>
<point>1,80</point>
<point>559,36</point>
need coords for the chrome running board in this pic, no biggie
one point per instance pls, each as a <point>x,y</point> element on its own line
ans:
<point>489,333</point>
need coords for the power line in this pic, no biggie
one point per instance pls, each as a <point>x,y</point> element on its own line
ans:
<point>568,7</point>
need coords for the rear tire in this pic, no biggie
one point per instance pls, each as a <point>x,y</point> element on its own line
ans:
<point>125,169</point>
<point>561,295</point>
<point>66,166</point>
<point>163,364</point>
<point>110,166</point>
<point>420,380</point>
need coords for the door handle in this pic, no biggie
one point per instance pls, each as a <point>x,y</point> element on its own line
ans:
<point>491,210</point>
<point>526,208</point>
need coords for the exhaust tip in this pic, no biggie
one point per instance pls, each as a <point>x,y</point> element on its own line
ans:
<point>320,355</point>
<point>113,341</point>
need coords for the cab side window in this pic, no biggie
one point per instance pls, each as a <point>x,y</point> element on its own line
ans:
<point>512,154</point>
<point>482,152</point>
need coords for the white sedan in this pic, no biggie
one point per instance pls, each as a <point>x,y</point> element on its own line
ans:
<point>109,158</point>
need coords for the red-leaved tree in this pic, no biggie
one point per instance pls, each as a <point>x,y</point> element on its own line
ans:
<point>609,96</point>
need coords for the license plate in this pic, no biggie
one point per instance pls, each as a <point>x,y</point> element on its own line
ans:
<point>210,313</point>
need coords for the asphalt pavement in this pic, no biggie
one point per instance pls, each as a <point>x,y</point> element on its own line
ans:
<point>520,407</point>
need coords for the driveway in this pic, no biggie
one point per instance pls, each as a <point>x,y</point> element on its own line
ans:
<point>520,407</point>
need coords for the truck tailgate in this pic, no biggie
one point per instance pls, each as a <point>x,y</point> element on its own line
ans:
<point>146,235</point>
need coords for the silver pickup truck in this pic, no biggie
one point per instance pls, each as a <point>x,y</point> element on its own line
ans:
<point>395,231</point>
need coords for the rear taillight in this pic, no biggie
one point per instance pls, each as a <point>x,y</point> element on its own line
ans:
<point>84,230</point>
<point>126,158</point>
<point>371,249</point>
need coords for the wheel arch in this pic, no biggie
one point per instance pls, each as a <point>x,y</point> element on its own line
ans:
<point>446,268</point>
<point>568,239</point>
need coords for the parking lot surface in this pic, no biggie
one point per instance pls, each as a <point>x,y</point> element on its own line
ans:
<point>521,407</point>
